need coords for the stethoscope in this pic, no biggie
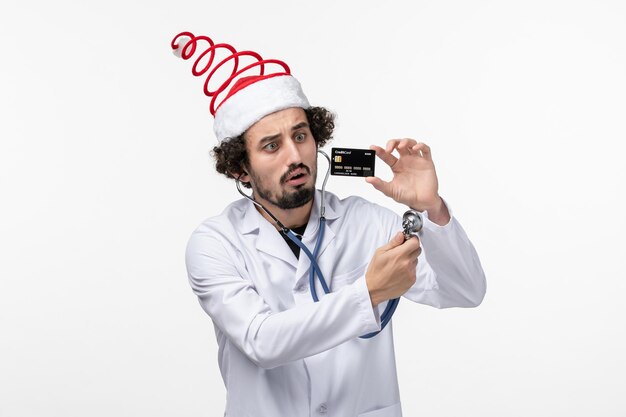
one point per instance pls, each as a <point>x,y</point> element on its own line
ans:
<point>411,223</point>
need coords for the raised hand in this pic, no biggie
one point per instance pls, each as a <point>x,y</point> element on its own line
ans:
<point>414,181</point>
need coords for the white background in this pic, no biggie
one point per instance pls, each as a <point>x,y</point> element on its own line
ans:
<point>105,171</point>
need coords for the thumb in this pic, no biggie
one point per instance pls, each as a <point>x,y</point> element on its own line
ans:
<point>395,241</point>
<point>380,185</point>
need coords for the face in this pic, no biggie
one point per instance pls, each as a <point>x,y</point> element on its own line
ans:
<point>282,159</point>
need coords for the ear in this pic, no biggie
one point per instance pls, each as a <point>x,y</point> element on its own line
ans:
<point>243,176</point>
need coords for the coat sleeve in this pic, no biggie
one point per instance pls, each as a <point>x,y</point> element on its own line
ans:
<point>449,273</point>
<point>268,338</point>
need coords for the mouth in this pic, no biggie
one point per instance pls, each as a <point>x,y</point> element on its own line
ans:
<point>297,177</point>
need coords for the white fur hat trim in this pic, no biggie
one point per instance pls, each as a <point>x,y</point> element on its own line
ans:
<point>255,101</point>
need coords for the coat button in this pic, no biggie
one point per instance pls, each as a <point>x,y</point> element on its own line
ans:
<point>322,409</point>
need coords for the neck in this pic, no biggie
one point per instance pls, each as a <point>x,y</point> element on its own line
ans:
<point>290,218</point>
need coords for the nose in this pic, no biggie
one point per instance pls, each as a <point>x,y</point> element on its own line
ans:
<point>292,153</point>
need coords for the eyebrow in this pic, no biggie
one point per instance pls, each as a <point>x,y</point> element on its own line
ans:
<point>268,139</point>
<point>276,136</point>
<point>300,126</point>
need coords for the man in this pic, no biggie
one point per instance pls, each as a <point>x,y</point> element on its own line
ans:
<point>281,353</point>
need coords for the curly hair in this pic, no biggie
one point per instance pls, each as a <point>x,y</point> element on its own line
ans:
<point>231,156</point>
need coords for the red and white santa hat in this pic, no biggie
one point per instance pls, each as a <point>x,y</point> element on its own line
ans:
<point>251,97</point>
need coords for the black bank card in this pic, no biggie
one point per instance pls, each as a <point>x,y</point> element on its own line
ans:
<point>352,162</point>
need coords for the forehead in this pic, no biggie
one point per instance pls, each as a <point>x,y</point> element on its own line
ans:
<point>276,123</point>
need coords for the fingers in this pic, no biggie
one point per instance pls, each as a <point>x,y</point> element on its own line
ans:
<point>404,147</point>
<point>412,247</point>
<point>380,185</point>
<point>385,156</point>
<point>423,149</point>
<point>395,241</point>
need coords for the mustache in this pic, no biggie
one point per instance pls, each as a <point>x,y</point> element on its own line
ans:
<point>291,169</point>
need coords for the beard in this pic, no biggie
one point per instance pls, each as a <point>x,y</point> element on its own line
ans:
<point>287,200</point>
<point>291,200</point>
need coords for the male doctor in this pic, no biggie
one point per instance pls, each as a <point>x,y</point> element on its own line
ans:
<point>281,353</point>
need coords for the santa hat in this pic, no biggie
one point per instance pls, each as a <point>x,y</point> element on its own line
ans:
<point>251,97</point>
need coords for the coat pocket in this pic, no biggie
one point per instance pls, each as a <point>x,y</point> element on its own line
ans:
<point>391,411</point>
<point>347,278</point>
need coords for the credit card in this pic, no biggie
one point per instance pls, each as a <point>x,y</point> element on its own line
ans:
<point>352,162</point>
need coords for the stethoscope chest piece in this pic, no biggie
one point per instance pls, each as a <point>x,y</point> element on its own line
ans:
<point>411,224</point>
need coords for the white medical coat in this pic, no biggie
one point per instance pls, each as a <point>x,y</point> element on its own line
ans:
<point>281,354</point>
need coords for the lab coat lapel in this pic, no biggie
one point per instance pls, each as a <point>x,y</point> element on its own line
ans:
<point>268,239</point>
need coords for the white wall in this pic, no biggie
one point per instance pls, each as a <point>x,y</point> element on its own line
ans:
<point>104,173</point>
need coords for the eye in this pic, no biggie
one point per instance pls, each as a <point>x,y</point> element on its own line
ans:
<point>272,146</point>
<point>300,137</point>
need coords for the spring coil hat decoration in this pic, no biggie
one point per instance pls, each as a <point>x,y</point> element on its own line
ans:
<point>255,92</point>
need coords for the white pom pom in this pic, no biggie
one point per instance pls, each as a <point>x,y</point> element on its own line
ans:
<point>182,41</point>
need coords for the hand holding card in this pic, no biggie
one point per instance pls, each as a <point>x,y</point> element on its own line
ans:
<point>414,181</point>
